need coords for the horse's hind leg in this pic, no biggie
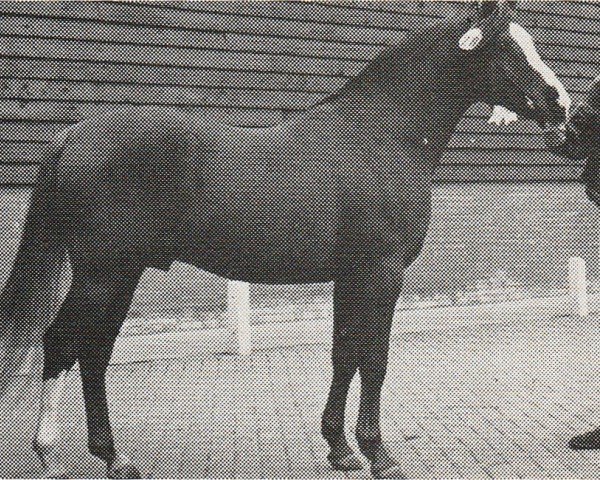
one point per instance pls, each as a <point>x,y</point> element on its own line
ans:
<point>60,354</point>
<point>107,300</point>
<point>85,328</point>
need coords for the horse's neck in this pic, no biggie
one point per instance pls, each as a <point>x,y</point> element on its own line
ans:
<point>422,107</point>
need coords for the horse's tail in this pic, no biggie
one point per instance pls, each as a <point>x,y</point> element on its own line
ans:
<point>32,288</point>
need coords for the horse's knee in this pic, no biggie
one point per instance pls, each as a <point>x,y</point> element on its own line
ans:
<point>373,369</point>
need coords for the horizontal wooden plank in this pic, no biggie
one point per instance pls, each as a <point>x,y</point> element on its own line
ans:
<point>495,141</point>
<point>569,54</point>
<point>426,7</point>
<point>530,15</point>
<point>20,153</point>
<point>573,68</point>
<point>543,36</point>
<point>18,174</point>
<point>170,56</point>
<point>24,90</point>
<point>29,131</point>
<point>506,173</point>
<point>514,156</point>
<point>584,10</point>
<point>479,125</point>
<point>44,69</point>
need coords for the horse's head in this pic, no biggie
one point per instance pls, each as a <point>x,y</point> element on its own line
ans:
<point>508,69</point>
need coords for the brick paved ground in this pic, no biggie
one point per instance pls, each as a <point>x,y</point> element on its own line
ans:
<point>497,401</point>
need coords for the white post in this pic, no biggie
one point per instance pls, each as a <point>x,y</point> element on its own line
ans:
<point>578,287</point>
<point>238,314</point>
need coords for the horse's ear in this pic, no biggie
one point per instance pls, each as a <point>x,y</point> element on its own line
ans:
<point>491,17</point>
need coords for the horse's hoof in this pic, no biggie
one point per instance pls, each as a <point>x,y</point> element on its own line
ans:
<point>383,465</point>
<point>586,441</point>
<point>389,471</point>
<point>348,463</point>
<point>124,471</point>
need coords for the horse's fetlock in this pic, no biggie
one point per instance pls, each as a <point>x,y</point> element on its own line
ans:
<point>331,428</point>
<point>103,450</point>
<point>43,446</point>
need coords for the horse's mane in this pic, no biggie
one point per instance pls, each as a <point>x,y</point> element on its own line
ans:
<point>400,56</point>
<point>392,59</point>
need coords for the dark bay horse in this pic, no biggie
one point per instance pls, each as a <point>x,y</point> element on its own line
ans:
<point>341,193</point>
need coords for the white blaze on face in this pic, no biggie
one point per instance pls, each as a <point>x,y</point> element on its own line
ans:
<point>502,116</point>
<point>524,40</point>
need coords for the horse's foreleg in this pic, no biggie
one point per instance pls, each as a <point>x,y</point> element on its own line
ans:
<point>373,295</point>
<point>110,299</point>
<point>345,365</point>
<point>373,367</point>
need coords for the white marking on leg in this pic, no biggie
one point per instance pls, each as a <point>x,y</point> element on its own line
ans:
<point>48,431</point>
<point>120,462</point>
<point>524,40</point>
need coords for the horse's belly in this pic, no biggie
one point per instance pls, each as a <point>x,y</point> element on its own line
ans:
<point>267,228</point>
<point>267,266</point>
<point>254,253</point>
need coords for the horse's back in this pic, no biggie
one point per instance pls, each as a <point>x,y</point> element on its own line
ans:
<point>161,184</point>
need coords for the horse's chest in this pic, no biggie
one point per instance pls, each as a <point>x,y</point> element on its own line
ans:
<point>386,213</point>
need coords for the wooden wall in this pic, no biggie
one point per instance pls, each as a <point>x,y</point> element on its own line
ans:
<point>252,63</point>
